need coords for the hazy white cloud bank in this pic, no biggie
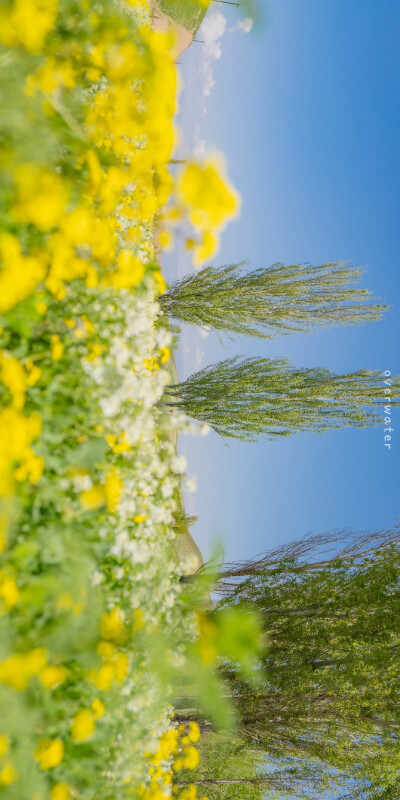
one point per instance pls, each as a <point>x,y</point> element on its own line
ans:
<point>211,33</point>
<point>200,81</point>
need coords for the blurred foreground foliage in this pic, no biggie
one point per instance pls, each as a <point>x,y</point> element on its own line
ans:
<point>95,626</point>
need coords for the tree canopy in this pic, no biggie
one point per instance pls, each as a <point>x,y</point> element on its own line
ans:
<point>274,300</point>
<point>253,397</point>
<point>332,666</point>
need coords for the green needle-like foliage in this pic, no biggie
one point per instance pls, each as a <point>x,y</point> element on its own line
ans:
<point>332,667</point>
<point>311,553</point>
<point>248,398</point>
<point>274,300</point>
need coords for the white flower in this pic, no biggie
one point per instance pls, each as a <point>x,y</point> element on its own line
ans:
<point>97,578</point>
<point>178,464</point>
<point>82,483</point>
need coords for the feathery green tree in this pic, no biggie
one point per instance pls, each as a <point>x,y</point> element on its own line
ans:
<point>232,769</point>
<point>253,397</point>
<point>277,300</point>
<point>326,718</point>
<point>311,553</point>
<point>332,668</point>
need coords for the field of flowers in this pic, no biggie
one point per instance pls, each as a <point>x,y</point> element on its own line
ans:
<point>94,623</point>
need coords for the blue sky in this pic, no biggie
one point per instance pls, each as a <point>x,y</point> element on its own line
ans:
<point>306,109</point>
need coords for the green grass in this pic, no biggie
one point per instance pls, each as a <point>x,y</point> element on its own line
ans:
<point>186,12</point>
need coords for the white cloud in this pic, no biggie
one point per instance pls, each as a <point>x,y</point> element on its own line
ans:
<point>198,356</point>
<point>204,332</point>
<point>211,31</point>
<point>244,26</point>
<point>200,79</point>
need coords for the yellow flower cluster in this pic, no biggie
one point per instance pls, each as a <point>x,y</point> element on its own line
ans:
<point>19,274</point>
<point>205,195</point>
<point>17,432</point>
<point>83,216</point>
<point>13,377</point>
<point>27,23</point>
<point>41,197</point>
<point>17,670</point>
<point>8,774</point>
<point>9,594</point>
<point>176,748</point>
<point>49,753</point>
<point>108,494</point>
<point>114,667</point>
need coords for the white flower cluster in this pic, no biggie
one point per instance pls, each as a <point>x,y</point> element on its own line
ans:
<point>130,377</point>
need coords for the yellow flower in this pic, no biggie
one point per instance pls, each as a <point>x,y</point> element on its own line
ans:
<point>113,490</point>
<point>31,467</point>
<point>83,726</point>
<point>160,282</point>
<point>165,354</point>
<point>49,753</point>
<point>16,434</point>
<point>120,664</point>
<point>174,214</point>
<point>98,709</point>
<point>8,775</point>
<point>137,620</point>
<point>166,241</point>
<point>27,22</point>
<point>112,625</point>
<point>57,347</point>
<point>88,325</point>
<point>36,660</point>
<point>207,248</point>
<point>41,196</point>
<point>13,376</point>
<point>13,672</point>
<point>54,75</point>
<point>16,670</point>
<point>41,307</point>
<point>120,444</point>
<point>33,375</point>
<point>211,199</point>
<point>19,274</point>
<point>194,732</point>
<point>9,594</point>
<point>106,650</point>
<point>3,527</point>
<point>53,675</point>
<point>138,4</point>
<point>4,744</point>
<point>92,499</point>
<point>191,757</point>
<point>139,518</point>
<point>190,793</point>
<point>60,792</point>
<point>129,274</point>
<point>103,677</point>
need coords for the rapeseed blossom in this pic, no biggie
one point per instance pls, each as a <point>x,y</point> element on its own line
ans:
<point>27,22</point>
<point>88,470</point>
<point>41,197</point>
<point>83,726</point>
<point>208,195</point>
<point>49,753</point>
